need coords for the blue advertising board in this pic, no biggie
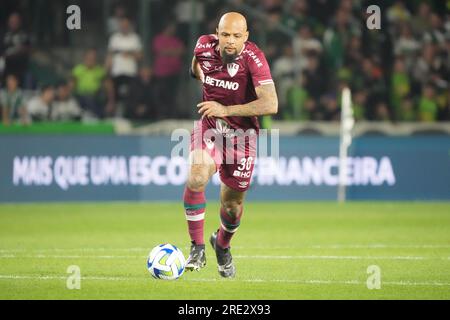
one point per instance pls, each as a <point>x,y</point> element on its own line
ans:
<point>129,168</point>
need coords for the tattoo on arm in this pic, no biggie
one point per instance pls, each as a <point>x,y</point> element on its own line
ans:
<point>265,104</point>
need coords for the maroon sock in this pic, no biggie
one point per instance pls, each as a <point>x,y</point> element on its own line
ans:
<point>194,205</point>
<point>228,227</point>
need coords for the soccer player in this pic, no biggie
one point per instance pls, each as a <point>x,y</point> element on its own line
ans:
<point>237,87</point>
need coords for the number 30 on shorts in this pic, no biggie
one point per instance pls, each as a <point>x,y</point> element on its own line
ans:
<point>246,164</point>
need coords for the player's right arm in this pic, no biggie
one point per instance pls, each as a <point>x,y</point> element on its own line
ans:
<point>202,48</point>
<point>196,70</point>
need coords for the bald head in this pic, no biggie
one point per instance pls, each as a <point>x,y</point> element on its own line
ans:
<point>233,20</point>
<point>232,33</point>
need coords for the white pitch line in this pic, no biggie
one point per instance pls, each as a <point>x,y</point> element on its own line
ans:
<point>264,247</point>
<point>43,256</point>
<point>355,282</point>
<point>271,257</point>
<point>381,246</point>
<point>293,281</point>
<point>317,257</point>
<point>52,277</point>
<point>73,249</point>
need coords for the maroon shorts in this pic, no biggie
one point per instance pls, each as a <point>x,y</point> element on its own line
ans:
<point>234,152</point>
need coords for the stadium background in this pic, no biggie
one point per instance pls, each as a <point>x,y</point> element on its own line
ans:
<point>398,76</point>
<point>75,131</point>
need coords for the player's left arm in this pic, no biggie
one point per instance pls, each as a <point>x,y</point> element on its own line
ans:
<point>265,104</point>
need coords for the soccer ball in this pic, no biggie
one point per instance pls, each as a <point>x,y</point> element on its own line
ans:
<point>166,262</point>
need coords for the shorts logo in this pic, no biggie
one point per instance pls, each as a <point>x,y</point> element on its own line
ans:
<point>240,174</point>
<point>223,128</point>
<point>243,184</point>
<point>232,69</point>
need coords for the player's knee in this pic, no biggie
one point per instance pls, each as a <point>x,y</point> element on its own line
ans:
<point>233,208</point>
<point>197,182</point>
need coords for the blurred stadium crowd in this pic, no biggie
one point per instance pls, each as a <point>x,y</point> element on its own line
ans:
<point>315,48</point>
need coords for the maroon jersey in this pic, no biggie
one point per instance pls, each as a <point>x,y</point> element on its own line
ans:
<point>233,83</point>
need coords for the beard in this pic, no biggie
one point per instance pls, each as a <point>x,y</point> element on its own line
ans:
<point>228,58</point>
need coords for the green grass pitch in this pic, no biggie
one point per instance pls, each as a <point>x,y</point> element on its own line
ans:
<point>292,250</point>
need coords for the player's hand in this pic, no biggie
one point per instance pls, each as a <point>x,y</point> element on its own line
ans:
<point>212,109</point>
